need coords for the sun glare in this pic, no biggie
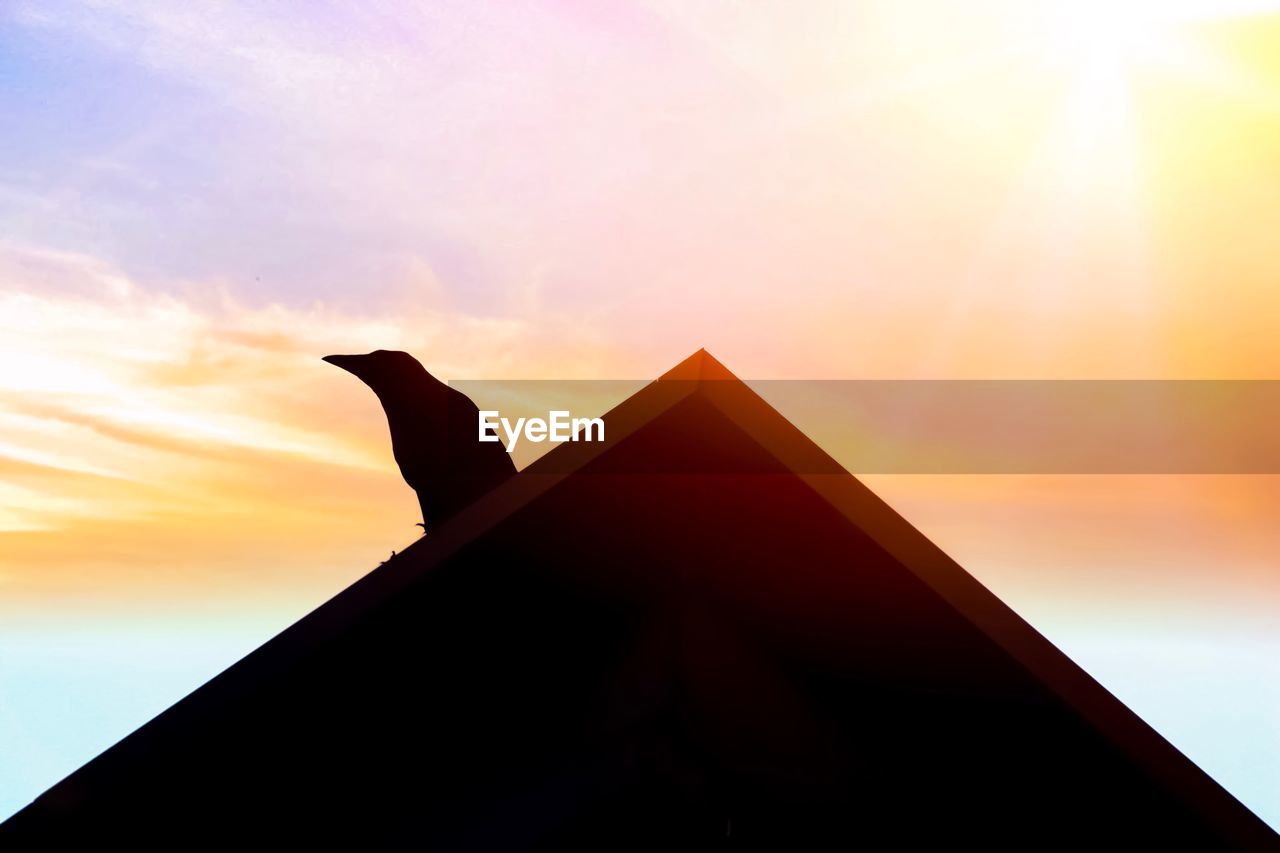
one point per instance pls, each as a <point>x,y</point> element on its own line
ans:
<point>1093,36</point>
<point>1095,32</point>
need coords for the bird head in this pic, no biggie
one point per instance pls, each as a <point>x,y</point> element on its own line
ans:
<point>385,371</point>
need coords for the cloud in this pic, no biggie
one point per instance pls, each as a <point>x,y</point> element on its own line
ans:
<point>200,426</point>
<point>522,191</point>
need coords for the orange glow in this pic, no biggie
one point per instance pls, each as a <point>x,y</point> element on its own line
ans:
<point>993,189</point>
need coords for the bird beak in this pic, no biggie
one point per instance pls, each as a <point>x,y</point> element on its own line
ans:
<point>349,363</point>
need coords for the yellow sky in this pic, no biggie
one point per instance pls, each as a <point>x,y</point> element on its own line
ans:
<point>154,445</point>
<point>991,189</point>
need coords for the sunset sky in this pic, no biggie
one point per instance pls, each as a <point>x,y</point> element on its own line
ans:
<point>198,201</point>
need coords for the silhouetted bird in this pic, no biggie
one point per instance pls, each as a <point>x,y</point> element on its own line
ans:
<point>434,433</point>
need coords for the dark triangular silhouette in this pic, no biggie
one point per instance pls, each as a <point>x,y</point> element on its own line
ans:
<point>433,433</point>
<point>663,641</point>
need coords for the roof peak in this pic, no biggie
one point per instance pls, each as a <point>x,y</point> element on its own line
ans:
<point>698,367</point>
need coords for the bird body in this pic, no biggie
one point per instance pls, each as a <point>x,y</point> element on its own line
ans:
<point>434,433</point>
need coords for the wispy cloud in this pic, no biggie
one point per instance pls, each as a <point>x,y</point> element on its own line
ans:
<point>155,425</point>
<point>672,176</point>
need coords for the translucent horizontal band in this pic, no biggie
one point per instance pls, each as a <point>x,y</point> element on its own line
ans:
<point>941,426</point>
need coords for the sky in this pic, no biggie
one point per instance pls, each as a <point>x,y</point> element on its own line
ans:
<point>197,201</point>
